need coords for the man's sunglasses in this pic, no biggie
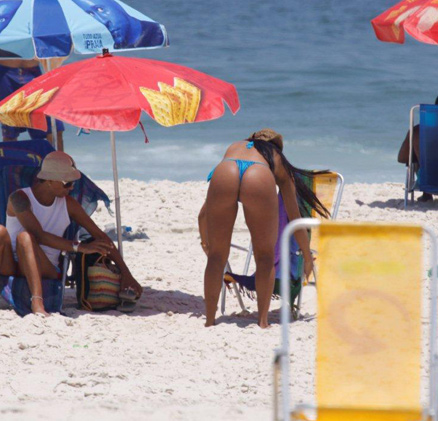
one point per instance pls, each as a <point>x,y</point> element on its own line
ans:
<point>67,184</point>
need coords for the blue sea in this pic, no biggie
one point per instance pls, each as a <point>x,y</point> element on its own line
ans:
<point>312,70</point>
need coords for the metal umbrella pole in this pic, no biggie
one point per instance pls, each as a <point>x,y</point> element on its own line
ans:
<point>116,192</point>
<point>50,67</point>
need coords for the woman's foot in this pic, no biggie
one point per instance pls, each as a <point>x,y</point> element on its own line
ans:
<point>263,322</point>
<point>210,323</point>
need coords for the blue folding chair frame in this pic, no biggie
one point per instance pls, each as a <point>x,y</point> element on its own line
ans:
<point>427,178</point>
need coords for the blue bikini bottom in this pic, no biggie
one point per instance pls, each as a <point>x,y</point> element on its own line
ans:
<point>242,164</point>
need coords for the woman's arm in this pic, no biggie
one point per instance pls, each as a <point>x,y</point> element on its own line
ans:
<point>77,213</point>
<point>288,192</point>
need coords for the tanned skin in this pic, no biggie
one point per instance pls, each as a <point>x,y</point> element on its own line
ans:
<point>258,195</point>
<point>32,261</point>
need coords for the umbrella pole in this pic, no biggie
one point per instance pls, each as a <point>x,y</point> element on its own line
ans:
<point>116,192</point>
<point>52,119</point>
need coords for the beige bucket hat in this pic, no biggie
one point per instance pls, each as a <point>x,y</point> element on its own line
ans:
<point>58,166</point>
<point>269,135</point>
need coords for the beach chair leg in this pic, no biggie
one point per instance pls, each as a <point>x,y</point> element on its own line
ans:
<point>65,264</point>
<point>407,186</point>
<point>239,297</point>
<point>223,297</point>
<point>236,291</point>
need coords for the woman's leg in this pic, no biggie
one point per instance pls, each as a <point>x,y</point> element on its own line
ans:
<point>260,204</point>
<point>34,265</point>
<point>8,265</point>
<point>221,211</point>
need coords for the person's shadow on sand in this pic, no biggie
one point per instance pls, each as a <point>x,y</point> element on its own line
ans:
<point>399,205</point>
<point>151,303</point>
<point>155,302</point>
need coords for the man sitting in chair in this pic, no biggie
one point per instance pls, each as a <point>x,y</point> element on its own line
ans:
<point>36,218</point>
<point>403,154</point>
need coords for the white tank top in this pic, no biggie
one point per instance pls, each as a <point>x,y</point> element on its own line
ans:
<point>53,219</point>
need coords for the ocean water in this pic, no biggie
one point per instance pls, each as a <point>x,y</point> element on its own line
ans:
<point>313,70</point>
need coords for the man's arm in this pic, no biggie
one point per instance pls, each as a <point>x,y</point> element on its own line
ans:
<point>19,206</point>
<point>77,213</point>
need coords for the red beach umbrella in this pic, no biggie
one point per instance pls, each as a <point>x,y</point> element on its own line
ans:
<point>419,18</point>
<point>109,92</point>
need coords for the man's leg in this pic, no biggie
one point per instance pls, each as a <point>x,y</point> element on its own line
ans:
<point>34,265</point>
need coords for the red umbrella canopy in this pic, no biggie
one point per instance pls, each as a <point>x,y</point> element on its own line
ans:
<point>108,93</point>
<point>419,18</point>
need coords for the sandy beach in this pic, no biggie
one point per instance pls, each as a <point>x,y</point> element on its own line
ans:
<point>160,363</point>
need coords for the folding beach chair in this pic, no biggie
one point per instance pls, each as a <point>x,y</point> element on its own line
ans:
<point>13,177</point>
<point>328,188</point>
<point>426,180</point>
<point>370,334</point>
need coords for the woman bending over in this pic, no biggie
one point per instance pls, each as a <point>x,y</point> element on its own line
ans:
<point>249,173</point>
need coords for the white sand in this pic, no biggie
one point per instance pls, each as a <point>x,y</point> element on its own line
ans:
<point>160,363</point>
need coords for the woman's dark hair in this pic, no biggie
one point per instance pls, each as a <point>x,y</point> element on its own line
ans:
<point>307,200</point>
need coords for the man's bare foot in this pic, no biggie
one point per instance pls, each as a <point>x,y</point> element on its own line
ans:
<point>38,308</point>
<point>132,284</point>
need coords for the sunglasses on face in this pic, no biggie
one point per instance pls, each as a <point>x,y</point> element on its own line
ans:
<point>67,184</point>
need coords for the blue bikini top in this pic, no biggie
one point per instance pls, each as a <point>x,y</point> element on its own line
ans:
<point>250,145</point>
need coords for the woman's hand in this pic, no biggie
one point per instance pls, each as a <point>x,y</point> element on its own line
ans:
<point>102,247</point>
<point>308,266</point>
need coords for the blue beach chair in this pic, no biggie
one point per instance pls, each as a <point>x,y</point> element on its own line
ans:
<point>426,180</point>
<point>12,177</point>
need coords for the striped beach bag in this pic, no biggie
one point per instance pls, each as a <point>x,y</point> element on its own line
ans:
<point>100,285</point>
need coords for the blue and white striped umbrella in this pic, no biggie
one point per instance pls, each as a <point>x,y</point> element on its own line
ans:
<point>55,28</point>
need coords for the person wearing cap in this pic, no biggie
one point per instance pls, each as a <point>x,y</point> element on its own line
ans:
<point>250,172</point>
<point>36,219</point>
